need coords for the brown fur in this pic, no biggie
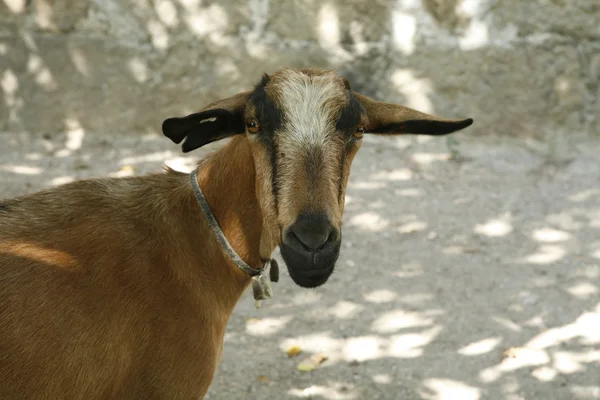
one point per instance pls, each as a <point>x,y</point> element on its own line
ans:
<point>116,288</point>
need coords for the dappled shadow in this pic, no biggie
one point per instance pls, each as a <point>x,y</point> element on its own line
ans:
<point>457,280</point>
<point>471,279</point>
<point>124,66</point>
<point>469,270</point>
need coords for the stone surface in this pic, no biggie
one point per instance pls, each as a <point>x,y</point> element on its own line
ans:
<point>575,19</point>
<point>518,68</point>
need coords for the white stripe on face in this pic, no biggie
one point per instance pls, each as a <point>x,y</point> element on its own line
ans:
<point>306,102</point>
<point>309,173</point>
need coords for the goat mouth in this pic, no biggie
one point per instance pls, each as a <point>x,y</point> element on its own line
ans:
<point>311,278</point>
<point>309,269</point>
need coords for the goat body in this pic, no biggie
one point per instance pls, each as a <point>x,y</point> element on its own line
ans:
<point>116,288</point>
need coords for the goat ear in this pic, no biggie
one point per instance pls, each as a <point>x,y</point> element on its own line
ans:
<point>394,119</point>
<point>214,122</point>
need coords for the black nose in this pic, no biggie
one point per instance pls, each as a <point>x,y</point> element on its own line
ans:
<point>312,230</point>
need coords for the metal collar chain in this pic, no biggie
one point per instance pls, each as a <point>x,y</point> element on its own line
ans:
<point>261,285</point>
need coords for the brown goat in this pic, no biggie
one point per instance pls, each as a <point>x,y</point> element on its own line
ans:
<point>118,288</point>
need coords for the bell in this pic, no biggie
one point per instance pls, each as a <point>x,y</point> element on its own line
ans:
<point>261,286</point>
<point>274,271</point>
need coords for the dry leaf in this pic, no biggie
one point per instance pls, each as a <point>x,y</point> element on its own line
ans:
<point>511,352</point>
<point>319,358</point>
<point>305,366</point>
<point>311,363</point>
<point>263,378</point>
<point>294,351</point>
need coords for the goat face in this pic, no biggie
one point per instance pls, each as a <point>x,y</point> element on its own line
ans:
<point>304,127</point>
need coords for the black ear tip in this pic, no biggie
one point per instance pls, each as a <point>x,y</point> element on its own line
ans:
<point>457,126</point>
<point>166,126</point>
<point>460,125</point>
<point>173,129</point>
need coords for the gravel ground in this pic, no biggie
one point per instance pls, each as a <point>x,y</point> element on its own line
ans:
<point>461,278</point>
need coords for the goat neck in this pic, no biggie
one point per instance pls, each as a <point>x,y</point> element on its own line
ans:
<point>228,181</point>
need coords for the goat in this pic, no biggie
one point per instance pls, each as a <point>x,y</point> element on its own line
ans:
<point>123,287</point>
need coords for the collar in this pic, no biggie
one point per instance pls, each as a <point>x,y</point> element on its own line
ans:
<point>260,284</point>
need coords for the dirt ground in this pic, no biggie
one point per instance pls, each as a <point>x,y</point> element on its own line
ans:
<point>464,275</point>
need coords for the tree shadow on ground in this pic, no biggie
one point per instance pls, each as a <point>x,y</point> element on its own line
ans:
<point>468,279</point>
<point>472,280</point>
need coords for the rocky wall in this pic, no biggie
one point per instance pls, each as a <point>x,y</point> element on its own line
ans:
<point>520,68</point>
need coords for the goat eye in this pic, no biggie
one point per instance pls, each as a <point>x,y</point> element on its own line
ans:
<point>253,126</point>
<point>359,132</point>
